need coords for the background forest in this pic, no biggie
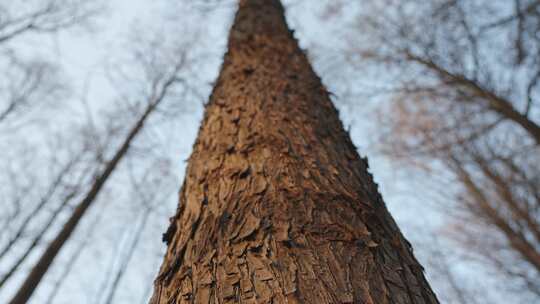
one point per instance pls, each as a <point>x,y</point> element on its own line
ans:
<point>100,102</point>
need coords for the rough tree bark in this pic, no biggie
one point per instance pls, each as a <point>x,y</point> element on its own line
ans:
<point>277,206</point>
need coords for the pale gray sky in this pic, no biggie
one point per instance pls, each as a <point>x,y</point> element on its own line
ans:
<point>83,56</point>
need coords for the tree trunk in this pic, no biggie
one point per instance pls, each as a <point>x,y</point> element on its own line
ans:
<point>46,259</point>
<point>277,206</point>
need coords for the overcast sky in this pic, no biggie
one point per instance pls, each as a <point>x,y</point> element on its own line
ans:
<point>83,56</point>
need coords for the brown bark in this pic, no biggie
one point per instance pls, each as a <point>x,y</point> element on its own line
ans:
<point>277,206</point>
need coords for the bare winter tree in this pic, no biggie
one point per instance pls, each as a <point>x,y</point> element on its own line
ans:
<point>41,172</point>
<point>70,172</point>
<point>151,189</point>
<point>105,137</point>
<point>462,80</point>
<point>162,75</point>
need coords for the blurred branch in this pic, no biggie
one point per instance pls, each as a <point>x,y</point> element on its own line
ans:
<point>160,86</point>
<point>495,102</point>
<point>47,17</point>
<point>461,71</point>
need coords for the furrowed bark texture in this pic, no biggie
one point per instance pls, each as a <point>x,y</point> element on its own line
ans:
<point>277,206</point>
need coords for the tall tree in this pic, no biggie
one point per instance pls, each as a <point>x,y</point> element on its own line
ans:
<point>464,107</point>
<point>277,206</point>
<point>162,83</point>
